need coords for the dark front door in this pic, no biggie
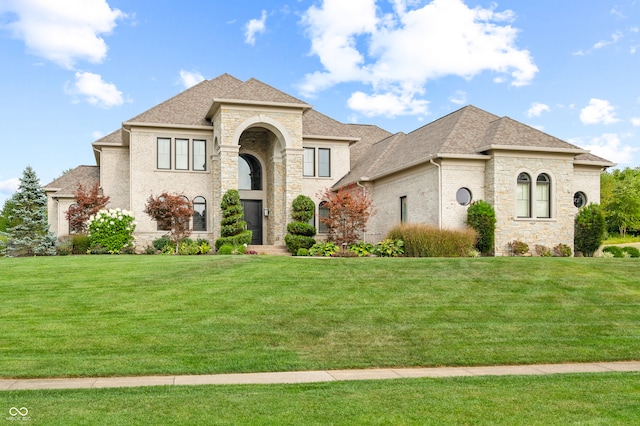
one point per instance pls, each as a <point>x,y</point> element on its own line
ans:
<point>253,217</point>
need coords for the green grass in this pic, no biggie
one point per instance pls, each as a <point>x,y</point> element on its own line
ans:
<point>617,239</point>
<point>137,315</point>
<point>596,399</point>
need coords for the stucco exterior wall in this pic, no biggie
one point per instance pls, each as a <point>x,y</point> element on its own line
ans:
<point>502,173</point>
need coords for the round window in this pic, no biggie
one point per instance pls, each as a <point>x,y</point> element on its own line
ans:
<point>463,196</point>
<point>579,199</point>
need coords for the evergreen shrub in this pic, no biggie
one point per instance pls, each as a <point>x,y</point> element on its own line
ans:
<point>482,217</point>
<point>590,229</point>
<point>299,232</point>
<point>614,250</point>
<point>632,251</point>
<point>233,225</point>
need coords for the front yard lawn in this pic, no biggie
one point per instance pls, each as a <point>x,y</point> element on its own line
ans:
<point>138,315</point>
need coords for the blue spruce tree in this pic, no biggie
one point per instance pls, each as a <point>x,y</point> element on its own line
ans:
<point>30,235</point>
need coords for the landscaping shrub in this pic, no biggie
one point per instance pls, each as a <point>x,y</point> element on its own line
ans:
<point>160,243</point>
<point>64,247</point>
<point>302,252</point>
<point>204,247</point>
<point>326,249</point>
<point>590,228</point>
<point>614,250</point>
<point>188,247</point>
<point>543,251</point>
<point>361,249</point>
<point>233,231</point>
<point>389,248</point>
<point>429,241</point>
<point>81,243</point>
<point>562,250</point>
<point>150,250</point>
<point>632,251</point>
<point>299,232</point>
<point>112,230</point>
<point>482,217</point>
<point>518,248</point>
<point>225,249</point>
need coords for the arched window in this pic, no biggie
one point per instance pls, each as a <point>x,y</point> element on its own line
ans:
<point>323,211</point>
<point>199,214</point>
<point>249,173</point>
<point>543,196</point>
<point>523,196</point>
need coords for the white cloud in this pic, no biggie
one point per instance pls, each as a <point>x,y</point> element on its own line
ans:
<point>537,109</point>
<point>95,90</point>
<point>459,97</point>
<point>9,186</point>
<point>253,27</point>
<point>603,43</point>
<point>190,79</point>
<point>388,104</point>
<point>608,146</point>
<point>598,111</point>
<point>62,31</point>
<point>635,121</point>
<point>399,52</point>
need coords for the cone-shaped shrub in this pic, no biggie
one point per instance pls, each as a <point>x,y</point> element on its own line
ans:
<point>482,217</point>
<point>299,233</point>
<point>233,229</point>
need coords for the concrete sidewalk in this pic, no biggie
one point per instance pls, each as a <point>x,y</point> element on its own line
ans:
<point>315,376</point>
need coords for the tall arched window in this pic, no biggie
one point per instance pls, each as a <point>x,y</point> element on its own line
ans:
<point>323,211</point>
<point>543,196</point>
<point>249,173</point>
<point>199,214</point>
<point>523,196</point>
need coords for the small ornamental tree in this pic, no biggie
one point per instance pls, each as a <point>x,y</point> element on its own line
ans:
<point>173,213</point>
<point>111,230</point>
<point>349,212</point>
<point>590,229</point>
<point>299,232</point>
<point>233,232</point>
<point>29,234</point>
<point>88,203</point>
<point>482,217</point>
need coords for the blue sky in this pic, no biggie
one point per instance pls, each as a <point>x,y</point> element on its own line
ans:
<point>74,70</point>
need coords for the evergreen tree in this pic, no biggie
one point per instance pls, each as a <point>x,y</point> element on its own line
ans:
<point>30,235</point>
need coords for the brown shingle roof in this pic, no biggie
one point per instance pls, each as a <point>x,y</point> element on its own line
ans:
<point>255,90</point>
<point>66,184</point>
<point>191,106</point>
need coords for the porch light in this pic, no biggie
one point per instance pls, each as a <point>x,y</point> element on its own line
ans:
<point>266,212</point>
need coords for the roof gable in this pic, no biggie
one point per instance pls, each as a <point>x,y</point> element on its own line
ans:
<point>257,91</point>
<point>191,106</point>
<point>67,184</point>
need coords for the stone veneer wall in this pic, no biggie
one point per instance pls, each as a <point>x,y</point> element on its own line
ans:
<point>501,183</point>
<point>286,124</point>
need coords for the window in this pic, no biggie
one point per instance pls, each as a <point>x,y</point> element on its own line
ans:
<point>324,162</point>
<point>309,162</point>
<point>463,196</point>
<point>403,209</point>
<point>579,199</point>
<point>523,197</point>
<point>543,192</point>
<point>323,211</point>
<point>182,154</point>
<point>164,153</point>
<point>199,155</point>
<point>249,173</point>
<point>199,214</point>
